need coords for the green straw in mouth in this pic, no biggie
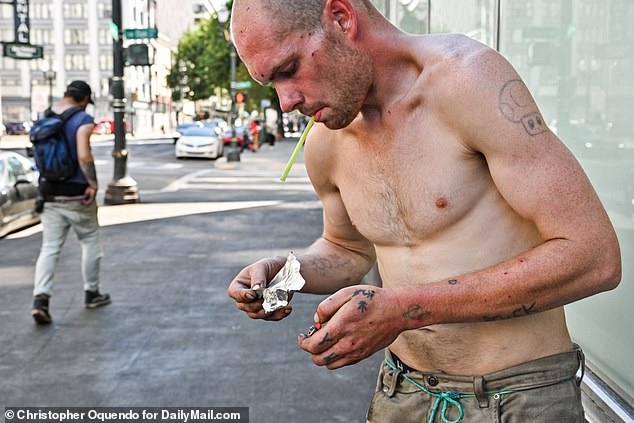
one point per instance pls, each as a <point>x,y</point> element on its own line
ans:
<point>298,147</point>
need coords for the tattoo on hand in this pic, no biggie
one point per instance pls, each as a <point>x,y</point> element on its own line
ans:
<point>416,312</point>
<point>327,339</point>
<point>524,310</point>
<point>452,282</point>
<point>363,306</point>
<point>331,357</point>
<point>517,105</point>
<point>368,293</point>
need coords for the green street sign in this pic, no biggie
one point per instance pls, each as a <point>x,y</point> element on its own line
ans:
<point>22,51</point>
<point>241,85</point>
<point>114,31</point>
<point>139,33</point>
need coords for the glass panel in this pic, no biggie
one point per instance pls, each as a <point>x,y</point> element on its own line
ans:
<point>577,57</point>
<point>476,18</point>
<point>411,16</point>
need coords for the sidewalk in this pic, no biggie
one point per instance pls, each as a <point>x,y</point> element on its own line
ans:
<point>172,337</point>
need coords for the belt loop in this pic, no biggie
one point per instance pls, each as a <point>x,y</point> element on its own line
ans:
<point>478,390</point>
<point>582,364</point>
<point>393,383</point>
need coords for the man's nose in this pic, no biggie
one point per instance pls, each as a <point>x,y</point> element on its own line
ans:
<point>289,99</point>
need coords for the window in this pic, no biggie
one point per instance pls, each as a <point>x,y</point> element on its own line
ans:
<point>74,11</point>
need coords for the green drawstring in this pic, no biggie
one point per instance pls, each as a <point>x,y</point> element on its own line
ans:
<point>447,399</point>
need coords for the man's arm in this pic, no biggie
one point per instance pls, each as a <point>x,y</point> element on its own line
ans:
<point>342,256</point>
<point>541,180</point>
<point>86,161</point>
<point>339,258</point>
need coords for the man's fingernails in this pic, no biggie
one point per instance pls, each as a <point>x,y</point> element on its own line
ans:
<point>316,318</point>
<point>256,287</point>
<point>287,311</point>
<point>251,295</point>
<point>301,337</point>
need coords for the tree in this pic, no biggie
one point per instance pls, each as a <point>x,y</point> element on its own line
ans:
<point>202,65</point>
<point>201,62</point>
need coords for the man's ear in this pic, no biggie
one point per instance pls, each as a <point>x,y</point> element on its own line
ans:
<point>343,15</point>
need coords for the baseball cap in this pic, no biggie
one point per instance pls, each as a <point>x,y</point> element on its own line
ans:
<point>82,89</point>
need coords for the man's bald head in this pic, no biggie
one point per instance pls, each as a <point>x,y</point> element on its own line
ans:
<point>283,16</point>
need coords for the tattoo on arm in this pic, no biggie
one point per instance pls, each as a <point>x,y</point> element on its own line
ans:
<point>517,105</point>
<point>322,265</point>
<point>416,312</point>
<point>452,282</point>
<point>524,310</point>
<point>90,172</point>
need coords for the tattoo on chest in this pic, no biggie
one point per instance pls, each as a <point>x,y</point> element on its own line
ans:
<point>517,105</point>
<point>524,310</point>
<point>416,312</point>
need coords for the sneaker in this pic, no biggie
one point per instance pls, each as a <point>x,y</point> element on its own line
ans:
<point>94,299</point>
<point>40,310</point>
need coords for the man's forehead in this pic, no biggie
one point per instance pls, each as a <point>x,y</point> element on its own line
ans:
<point>263,55</point>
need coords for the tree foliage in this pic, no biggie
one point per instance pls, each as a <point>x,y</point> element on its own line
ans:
<point>202,64</point>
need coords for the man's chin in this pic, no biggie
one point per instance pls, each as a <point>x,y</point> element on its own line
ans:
<point>338,122</point>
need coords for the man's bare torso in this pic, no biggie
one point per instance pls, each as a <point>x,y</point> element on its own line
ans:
<point>427,202</point>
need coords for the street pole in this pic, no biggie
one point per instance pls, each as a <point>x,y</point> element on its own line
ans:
<point>233,155</point>
<point>122,189</point>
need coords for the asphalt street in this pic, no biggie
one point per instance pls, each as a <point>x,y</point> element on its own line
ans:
<point>171,336</point>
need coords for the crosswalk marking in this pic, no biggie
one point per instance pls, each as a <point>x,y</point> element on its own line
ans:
<point>214,179</point>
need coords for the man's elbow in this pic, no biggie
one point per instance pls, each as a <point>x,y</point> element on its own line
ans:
<point>609,268</point>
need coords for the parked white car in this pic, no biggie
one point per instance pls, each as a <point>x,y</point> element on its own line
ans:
<point>200,141</point>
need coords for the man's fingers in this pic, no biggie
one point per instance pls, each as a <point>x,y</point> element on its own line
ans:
<point>274,316</point>
<point>328,307</point>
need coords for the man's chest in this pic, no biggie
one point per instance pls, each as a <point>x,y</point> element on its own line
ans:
<point>399,192</point>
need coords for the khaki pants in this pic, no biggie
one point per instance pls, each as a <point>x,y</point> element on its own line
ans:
<point>543,390</point>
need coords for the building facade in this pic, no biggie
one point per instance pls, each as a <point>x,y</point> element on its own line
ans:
<point>78,44</point>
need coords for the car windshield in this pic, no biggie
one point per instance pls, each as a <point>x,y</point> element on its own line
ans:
<point>205,131</point>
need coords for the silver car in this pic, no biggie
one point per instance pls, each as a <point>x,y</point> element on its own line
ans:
<point>18,192</point>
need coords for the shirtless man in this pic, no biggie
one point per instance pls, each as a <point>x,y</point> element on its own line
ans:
<point>431,158</point>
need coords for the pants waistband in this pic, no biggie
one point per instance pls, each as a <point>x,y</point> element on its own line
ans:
<point>532,374</point>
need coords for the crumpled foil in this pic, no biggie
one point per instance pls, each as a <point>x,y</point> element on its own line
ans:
<point>286,280</point>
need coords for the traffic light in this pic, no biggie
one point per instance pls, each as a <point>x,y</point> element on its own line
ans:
<point>241,97</point>
<point>137,55</point>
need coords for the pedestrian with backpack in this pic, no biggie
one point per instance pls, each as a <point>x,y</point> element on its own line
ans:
<point>68,188</point>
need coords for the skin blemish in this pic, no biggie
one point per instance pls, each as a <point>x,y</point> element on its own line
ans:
<point>522,260</point>
<point>441,203</point>
<point>506,273</point>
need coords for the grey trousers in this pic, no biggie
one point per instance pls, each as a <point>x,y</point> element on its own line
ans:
<point>57,220</point>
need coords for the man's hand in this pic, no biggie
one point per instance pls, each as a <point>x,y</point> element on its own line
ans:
<point>257,275</point>
<point>359,320</point>
<point>89,195</point>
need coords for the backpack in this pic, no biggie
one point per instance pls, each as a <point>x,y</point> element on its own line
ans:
<point>51,150</point>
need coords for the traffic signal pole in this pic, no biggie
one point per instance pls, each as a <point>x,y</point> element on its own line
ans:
<point>122,189</point>
<point>233,155</point>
